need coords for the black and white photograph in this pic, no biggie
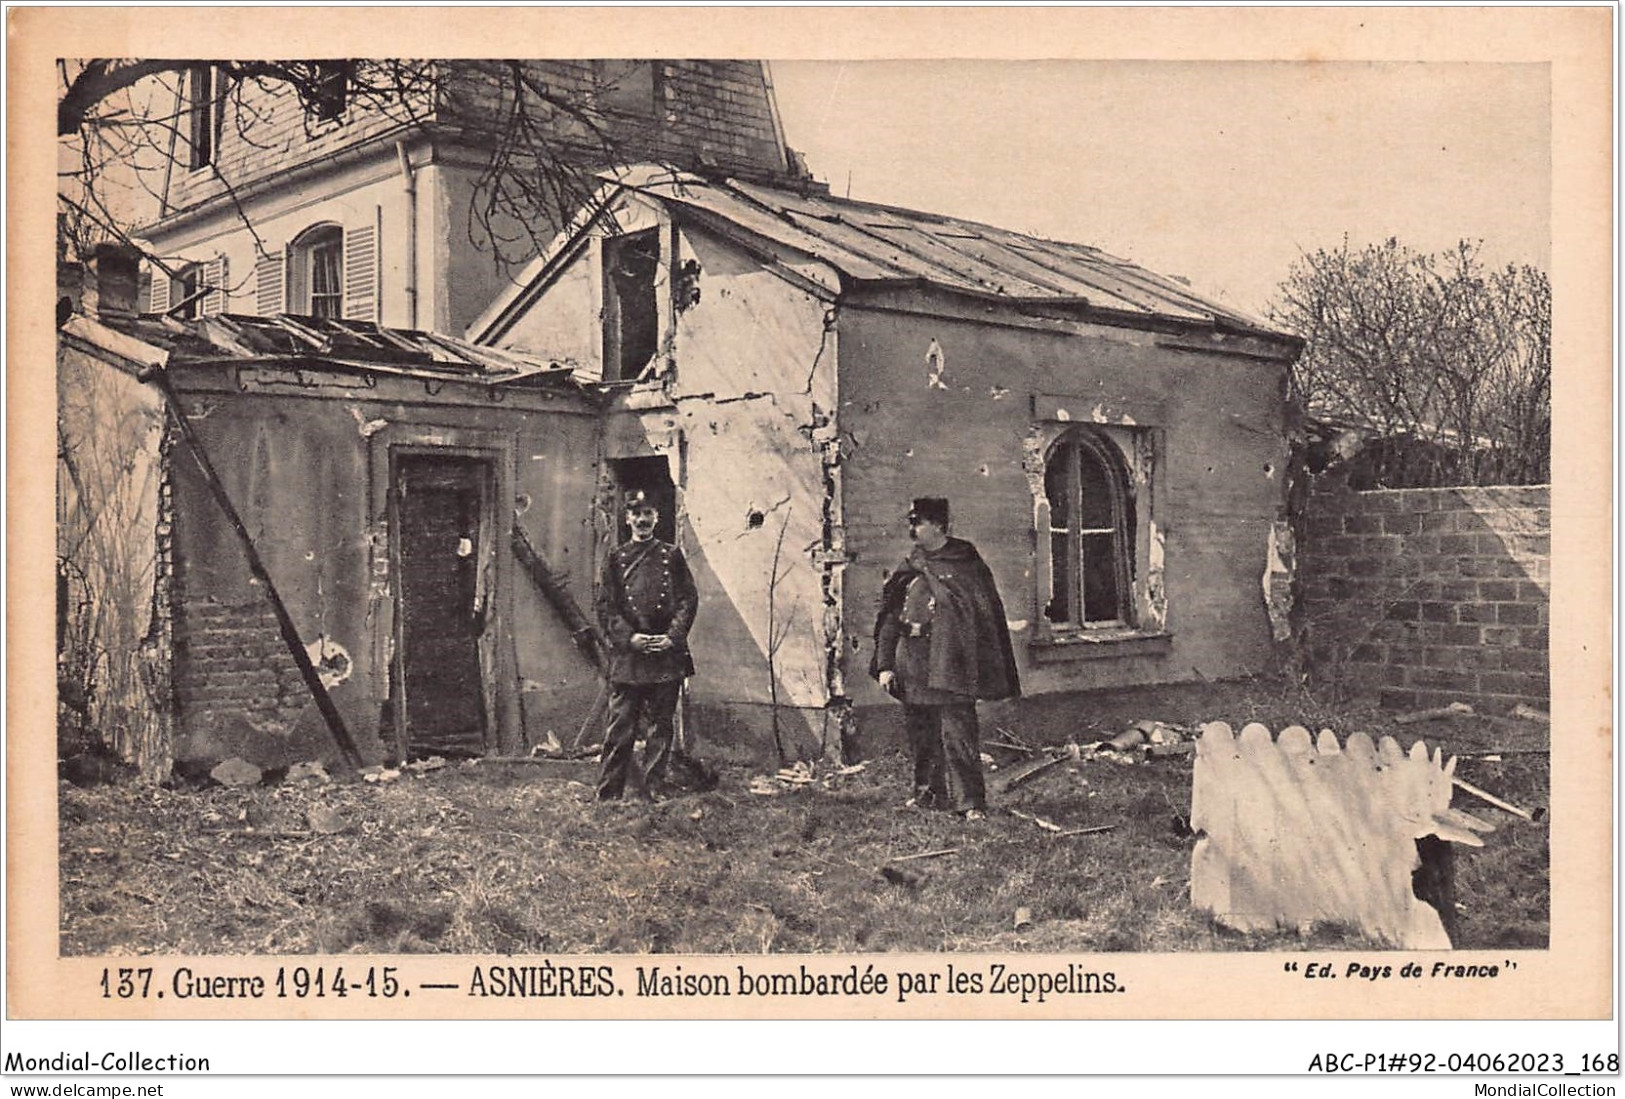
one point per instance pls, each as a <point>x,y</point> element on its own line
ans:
<point>827,533</point>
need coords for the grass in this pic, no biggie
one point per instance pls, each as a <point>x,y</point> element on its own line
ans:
<point>518,859</point>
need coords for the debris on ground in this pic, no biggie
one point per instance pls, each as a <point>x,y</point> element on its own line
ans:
<point>803,774</point>
<point>799,773</point>
<point>1046,825</point>
<point>324,821</point>
<point>308,771</point>
<point>381,774</point>
<point>902,875</point>
<point>1024,917</point>
<point>1455,709</point>
<point>1529,713</point>
<point>419,766</point>
<point>1027,771</point>
<point>236,771</point>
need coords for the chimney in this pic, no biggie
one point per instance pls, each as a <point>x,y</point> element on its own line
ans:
<point>118,279</point>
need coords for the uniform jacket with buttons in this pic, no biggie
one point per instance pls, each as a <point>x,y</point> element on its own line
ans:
<point>646,587</point>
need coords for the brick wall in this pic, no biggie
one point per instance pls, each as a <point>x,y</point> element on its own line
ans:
<point>1423,597</point>
<point>232,668</point>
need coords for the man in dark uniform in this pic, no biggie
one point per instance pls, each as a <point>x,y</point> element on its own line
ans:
<point>941,643</point>
<point>646,603</point>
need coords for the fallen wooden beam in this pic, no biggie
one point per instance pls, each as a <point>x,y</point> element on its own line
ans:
<point>1030,769</point>
<point>1486,796</point>
<point>1095,830</point>
<point>924,854</point>
<point>569,757</point>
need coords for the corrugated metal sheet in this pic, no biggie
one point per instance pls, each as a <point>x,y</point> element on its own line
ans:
<point>868,243</point>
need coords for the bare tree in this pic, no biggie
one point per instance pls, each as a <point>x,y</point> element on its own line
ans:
<point>123,124</point>
<point>1445,361</point>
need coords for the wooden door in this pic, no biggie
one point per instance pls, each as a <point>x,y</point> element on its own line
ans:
<point>440,530</point>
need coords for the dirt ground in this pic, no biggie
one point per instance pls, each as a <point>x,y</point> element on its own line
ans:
<point>1091,853</point>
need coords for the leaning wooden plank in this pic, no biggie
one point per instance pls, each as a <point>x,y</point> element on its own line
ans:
<point>251,554</point>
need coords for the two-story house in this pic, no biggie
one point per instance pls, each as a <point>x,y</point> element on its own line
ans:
<point>317,207</point>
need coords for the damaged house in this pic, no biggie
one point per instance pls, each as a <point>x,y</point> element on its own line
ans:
<point>246,504</point>
<point>790,369</point>
<point>334,531</point>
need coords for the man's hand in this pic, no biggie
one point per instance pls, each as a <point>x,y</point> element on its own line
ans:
<point>888,681</point>
<point>651,642</point>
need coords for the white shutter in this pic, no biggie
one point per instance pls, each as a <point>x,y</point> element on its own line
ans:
<point>159,298</point>
<point>215,274</point>
<point>361,274</point>
<point>268,276</point>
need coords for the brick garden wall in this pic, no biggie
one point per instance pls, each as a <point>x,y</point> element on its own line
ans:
<point>1423,597</point>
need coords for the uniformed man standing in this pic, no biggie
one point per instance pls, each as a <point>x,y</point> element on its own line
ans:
<point>941,643</point>
<point>646,603</point>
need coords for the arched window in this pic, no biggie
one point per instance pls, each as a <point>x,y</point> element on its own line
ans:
<point>1091,531</point>
<point>316,272</point>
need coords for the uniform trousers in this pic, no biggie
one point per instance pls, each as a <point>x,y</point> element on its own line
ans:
<point>945,741</point>
<point>656,705</point>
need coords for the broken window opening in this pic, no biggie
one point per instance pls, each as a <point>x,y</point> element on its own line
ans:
<point>1091,532</point>
<point>329,91</point>
<point>626,87</point>
<point>204,95</point>
<point>631,315</point>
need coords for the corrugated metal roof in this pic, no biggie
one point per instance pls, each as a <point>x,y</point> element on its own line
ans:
<point>352,345</point>
<point>869,243</point>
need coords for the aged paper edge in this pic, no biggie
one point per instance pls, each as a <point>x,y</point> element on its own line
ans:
<point>1570,980</point>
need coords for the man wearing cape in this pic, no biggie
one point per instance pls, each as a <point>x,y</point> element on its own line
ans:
<point>942,644</point>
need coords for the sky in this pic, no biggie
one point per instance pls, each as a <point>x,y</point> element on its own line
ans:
<point>1222,173</point>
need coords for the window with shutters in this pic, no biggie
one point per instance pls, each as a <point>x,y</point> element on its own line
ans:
<point>203,96</point>
<point>194,290</point>
<point>315,284</point>
<point>185,300</point>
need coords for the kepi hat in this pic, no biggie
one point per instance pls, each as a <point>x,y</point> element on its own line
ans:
<point>932,509</point>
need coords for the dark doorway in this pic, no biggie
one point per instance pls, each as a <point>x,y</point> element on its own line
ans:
<point>653,477</point>
<point>441,533</point>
